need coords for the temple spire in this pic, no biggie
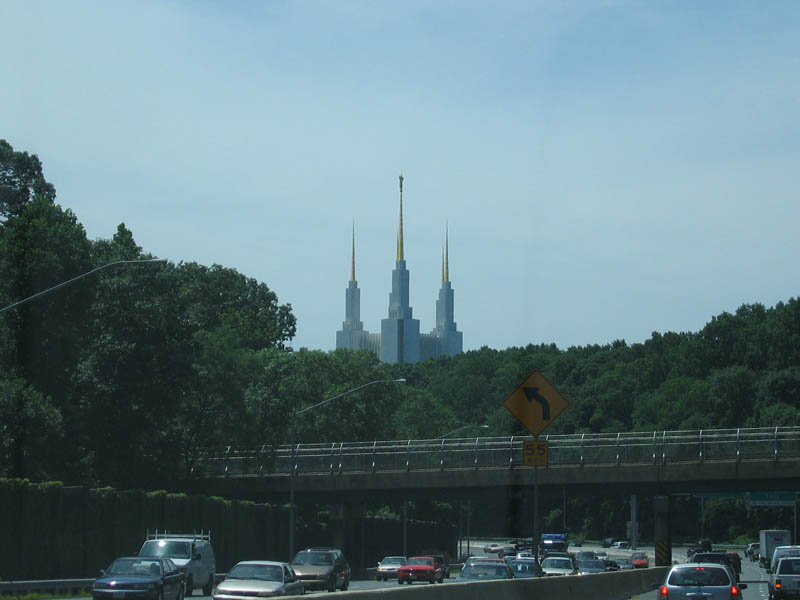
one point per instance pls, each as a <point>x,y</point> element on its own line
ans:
<point>353,256</point>
<point>446,252</point>
<point>400,253</point>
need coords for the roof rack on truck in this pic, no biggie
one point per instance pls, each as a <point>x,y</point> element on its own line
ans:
<point>155,534</point>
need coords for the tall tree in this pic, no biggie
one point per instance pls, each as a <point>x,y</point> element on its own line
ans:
<point>40,247</point>
<point>21,180</point>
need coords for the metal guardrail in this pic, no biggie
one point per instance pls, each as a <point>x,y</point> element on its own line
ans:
<point>654,447</point>
<point>52,586</point>
<point>58,586</point>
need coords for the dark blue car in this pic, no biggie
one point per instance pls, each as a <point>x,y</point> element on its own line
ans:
<point>140,578</point>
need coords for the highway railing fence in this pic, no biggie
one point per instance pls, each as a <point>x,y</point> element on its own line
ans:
<point>506,452</point>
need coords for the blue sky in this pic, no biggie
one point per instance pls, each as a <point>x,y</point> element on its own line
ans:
<point>607,169</point>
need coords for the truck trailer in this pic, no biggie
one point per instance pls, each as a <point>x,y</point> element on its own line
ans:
<point>768,540</point>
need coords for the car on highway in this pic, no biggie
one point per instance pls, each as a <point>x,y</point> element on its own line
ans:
<point>715,556</point>
<point>612,565</point>
<point>709,581</point>
<point>259,579</point>
<point>420,568</point>
<point>587,566</point>
<point>485,570</point>
<point>586,555</point>
<point>322,569</point>
<point>751,551</point>
<point>441,560</point>
<point>640,560</point>
<point>623,563</point>
<point>525,567</point>
<point>387,568</point>
<point>620,545</point>
<point>192,552</point>
<point>784,582</point>
<point>557,565</point>
<point>601,554</point>
<point>491,548</point>
<point>782,552</point>
<point>608,542</point>
<point>140,578</point>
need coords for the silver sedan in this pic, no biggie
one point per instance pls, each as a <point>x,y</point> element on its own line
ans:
<point>259,579</point>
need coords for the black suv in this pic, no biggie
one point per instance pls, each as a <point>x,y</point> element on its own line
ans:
<point>322,568</point>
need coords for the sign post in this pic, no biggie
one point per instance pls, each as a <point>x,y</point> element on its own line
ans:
<point>536,403</point>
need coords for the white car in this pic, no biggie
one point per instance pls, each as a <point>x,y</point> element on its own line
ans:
<point>620,546</point>
<point>557,565</point>
<point>259,579</point>
<point>784,581</point>
<point>387,568</point>
<point>710,581</point>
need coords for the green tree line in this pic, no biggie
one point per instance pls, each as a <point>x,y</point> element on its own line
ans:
<point>128,376</point>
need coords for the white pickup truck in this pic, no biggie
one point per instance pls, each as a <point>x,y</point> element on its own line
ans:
<point>784,581</point>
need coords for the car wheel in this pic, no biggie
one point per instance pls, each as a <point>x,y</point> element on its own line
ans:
<point>399,582</point>
<point>179,595</point>
<point>345,585</point>
<point>332,584</point>
<point>209,587</point>
<point>188,588</point>
<point>160,595</point>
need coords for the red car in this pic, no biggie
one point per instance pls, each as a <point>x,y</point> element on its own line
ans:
<point>420,568</point>
<point>640,560</point>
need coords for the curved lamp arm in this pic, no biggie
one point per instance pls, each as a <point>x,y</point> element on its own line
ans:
<point>74,279</point>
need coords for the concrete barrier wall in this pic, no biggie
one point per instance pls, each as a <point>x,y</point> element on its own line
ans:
<point>601,586</point>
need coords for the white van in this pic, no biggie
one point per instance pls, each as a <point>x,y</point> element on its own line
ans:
<point>781,552</point>
<point>192,552</point>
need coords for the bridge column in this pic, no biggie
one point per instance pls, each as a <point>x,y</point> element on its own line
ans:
<point>663,538</point>
<point>348,531</point>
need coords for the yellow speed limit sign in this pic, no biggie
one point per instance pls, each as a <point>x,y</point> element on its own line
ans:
<point>534,454</point>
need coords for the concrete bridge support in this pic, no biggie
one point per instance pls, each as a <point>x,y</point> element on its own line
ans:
<point>663,538</point>
<point>348,531</point>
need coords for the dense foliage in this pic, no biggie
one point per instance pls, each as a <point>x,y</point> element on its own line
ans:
<point>126,376</point>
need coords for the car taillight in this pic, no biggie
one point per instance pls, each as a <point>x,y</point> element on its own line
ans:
<point>735,593</point>
<point>664,593</point>
<point>777,584</point>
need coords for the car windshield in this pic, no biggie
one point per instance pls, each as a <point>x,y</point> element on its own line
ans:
<point>485,571</point>
<point>134,566</point>
<point>556,563</point>
<point>789,567</point>
<point>420,561</point>
<point>699,576</point>
<point>523,566</point>
<point>167,548</point>
<point>261,572</point>
<point>393,560</point>
<point>638,555</point>
<point>313,558</point>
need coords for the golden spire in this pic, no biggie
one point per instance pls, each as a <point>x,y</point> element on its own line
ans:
<point>446,252</point>
<point>353,256</point>
<point>400,230</point>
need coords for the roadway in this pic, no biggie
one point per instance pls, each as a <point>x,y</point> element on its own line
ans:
<point>752,575</point>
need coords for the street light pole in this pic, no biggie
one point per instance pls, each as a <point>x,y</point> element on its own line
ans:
<point>293,465</point>
<point>74,279</point>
